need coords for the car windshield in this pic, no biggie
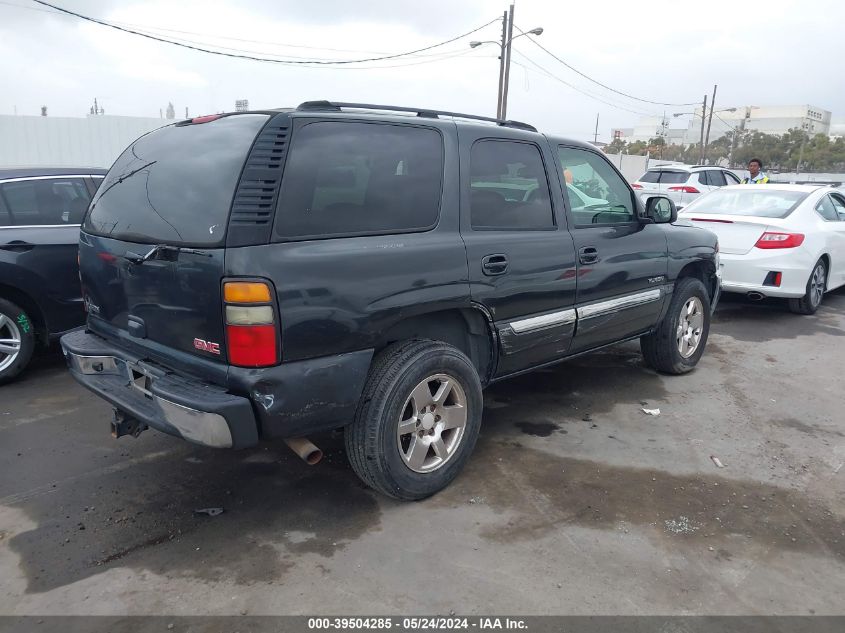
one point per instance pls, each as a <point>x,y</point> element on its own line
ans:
<point>759,203</point>
<point>665,175</point>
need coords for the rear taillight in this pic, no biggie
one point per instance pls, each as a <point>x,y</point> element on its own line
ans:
<point>780,240</point>
<point>251,324</point>
<point>205,119</point>
<point>685,189</point>
<point>636,186</point>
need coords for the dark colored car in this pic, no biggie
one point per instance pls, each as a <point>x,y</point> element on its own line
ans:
<point>40,297</point>
<point>276,274</point>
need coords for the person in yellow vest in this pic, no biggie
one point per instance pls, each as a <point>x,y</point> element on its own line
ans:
<point>755,168</point>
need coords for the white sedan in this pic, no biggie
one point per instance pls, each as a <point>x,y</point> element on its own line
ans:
<point>777,240</point>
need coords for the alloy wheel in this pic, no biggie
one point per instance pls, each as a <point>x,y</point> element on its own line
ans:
<point>431,425</point>
<point>690,327</point>
<point>10,342</point>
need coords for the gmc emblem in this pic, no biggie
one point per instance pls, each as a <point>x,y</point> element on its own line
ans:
<point>207,346</point>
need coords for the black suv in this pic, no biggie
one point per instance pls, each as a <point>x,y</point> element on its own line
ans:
<point>275,274</point>
<point>40,298</point>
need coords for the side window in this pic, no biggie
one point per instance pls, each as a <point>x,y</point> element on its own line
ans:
<point>596,193</point>
<point>730,178</point>
<point>509,187</point>
<point>345,178</point>
<point>46,201</point>
<point>826,209</point>
<point>5,219</point>
<point>716,178</point>
<point>839,205</point>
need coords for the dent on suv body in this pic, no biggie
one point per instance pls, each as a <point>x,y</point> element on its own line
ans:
<point>352,266</point>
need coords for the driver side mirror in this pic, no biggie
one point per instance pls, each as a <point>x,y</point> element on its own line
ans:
<point>660,210</point>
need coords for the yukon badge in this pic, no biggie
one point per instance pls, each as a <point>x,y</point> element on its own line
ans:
<point>207,346</point>
<point>656,280</point>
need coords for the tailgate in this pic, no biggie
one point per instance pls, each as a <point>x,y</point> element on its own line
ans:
<point>172,299</point>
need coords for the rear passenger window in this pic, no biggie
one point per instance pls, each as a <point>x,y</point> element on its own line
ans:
<point>826,209</point>
<point>715,178</point>
<point>360,178</point>
<point>45,201</point>
<point>508,187</point>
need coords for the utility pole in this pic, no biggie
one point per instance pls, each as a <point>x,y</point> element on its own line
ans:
<point>709,122</point>
<point>502,65</point>
<point>507,52</point>
<point>596,135</point>
<point>701,139</point>
<point>801,153</point>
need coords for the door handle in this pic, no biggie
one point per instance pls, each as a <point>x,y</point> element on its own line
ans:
<point>588,255</point>
<point>494,264</point>
<point>17,246</point>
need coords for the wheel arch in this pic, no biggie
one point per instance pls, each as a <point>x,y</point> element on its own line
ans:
<point>468,329</point>
<point>703,270</point>
<point>33,310</point>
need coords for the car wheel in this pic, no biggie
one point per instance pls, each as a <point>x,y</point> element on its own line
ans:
<point>812,299</point>
<point>417,421</point>
<point>677,344</point>
<point>17,340</point>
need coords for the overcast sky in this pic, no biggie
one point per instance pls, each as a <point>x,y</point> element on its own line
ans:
<point>774,52</point>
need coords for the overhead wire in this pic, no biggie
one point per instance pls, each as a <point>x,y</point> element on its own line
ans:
<point>551,75</point>
<point>314,62</point>
<point>595,81</point>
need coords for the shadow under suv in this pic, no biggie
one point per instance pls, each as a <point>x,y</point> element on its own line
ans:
<point>278,273</point>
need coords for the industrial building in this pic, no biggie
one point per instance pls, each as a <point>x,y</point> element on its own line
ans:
<point>765,119</point>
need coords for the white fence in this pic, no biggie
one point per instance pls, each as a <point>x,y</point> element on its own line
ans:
<point>632,167</point>
<point>45,141</point>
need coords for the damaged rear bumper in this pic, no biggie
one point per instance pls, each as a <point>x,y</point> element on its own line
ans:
<point>182,406</point>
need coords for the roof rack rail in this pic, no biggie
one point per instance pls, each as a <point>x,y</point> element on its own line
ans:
<point>336,106</point>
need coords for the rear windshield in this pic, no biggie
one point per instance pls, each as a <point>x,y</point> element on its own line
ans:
<point>664,175</point>
<point>758,203</point>
<point>175,185</point>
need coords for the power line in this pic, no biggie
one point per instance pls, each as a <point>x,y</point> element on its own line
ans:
<point>316,62</point>
<point>549,74</point>
<point>595,81</point>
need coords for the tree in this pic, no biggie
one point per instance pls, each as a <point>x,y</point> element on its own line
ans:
<point>615,147</point>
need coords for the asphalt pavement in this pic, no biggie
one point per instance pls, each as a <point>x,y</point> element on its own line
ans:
<point>575,501</point>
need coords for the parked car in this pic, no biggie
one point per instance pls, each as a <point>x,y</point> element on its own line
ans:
<point>683,183</point>
<point>275,274</point>
<point>40,296</point>
<point>777,240</point>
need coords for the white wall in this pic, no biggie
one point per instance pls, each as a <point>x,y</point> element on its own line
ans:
<point>632,167</point>
<point>45,141</point>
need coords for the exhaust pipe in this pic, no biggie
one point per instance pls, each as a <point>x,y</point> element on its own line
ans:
<point>756,296</point>
<point>306,451</point>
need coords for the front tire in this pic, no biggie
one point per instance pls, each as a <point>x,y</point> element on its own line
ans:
<point>17,340</point>
<point>812,299</point>
<point>678,343</point>
<point>417,421</point>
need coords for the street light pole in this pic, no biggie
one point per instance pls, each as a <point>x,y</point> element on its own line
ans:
<point>701,139</point>
<point>709,122</point>
<point>505,59</point>
<point>507,53</point>
<point>502,65</point>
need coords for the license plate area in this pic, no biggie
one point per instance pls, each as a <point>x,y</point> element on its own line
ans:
<point>140,379</point>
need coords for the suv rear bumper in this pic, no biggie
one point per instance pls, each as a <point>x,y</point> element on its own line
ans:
<point>182,406</point>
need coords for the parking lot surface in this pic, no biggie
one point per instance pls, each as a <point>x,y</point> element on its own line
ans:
<point>575,501</point>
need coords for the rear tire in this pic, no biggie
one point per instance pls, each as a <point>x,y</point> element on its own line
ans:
<point>17,340</point>
<point>417,421</point>
<point>678,343</point>
<point>812,299</point>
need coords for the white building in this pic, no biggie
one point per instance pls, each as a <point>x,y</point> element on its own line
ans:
<point>92,141</point>
<point>766,119</point>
